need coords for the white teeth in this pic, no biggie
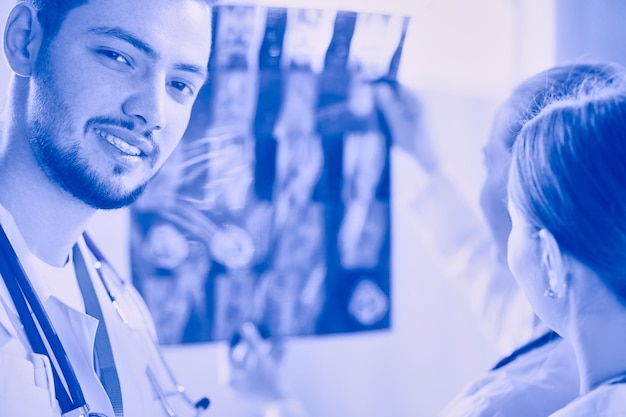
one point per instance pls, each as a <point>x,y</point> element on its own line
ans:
<point>119,143</point>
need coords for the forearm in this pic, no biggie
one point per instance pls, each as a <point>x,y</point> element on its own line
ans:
<point>461,241</point>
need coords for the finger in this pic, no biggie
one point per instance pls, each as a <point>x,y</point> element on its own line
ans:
<point>250,333</point>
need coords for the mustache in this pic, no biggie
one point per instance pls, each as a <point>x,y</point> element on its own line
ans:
<point>114,121</point>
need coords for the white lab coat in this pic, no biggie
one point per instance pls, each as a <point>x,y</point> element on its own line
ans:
<point>466,250</point>
<point>534,385</point>
<point>26,383</point>
<point>604,401</point>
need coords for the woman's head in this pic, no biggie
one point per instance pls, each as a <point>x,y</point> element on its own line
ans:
<point>568,177</point>
<point>525,102</point>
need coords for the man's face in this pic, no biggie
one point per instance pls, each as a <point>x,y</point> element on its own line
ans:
<point>112,94</point>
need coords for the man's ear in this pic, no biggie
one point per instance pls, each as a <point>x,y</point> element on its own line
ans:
<point>554,262</point>
<point>22,39</point>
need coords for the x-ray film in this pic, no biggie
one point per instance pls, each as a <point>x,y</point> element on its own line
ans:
<point>275,207</point>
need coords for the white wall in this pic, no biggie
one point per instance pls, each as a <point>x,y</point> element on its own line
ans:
<point>591,30</point>
<point>463,57</point>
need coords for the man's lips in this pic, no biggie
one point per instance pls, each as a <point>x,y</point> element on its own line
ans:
<point>125,141</point>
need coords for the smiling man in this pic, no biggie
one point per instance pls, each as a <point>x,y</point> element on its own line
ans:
<point>101,93</point>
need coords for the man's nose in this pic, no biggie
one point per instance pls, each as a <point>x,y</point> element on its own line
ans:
<point>145,105</point>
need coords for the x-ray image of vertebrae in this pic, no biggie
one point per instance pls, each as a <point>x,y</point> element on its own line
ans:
<point>275,207</point>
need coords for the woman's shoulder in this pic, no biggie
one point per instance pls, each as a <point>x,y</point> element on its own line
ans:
<point>605,401</point>
<point>534,384</point>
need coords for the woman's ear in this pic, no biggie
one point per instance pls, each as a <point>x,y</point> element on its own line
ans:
<point>555,264</point>
<point>22,39</point>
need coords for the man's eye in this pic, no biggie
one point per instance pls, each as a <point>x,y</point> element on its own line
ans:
<point>182,87</point>
<point>115,56</point>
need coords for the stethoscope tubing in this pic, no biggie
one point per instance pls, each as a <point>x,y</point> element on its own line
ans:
<point>36,321</point>
<point>101,260</point>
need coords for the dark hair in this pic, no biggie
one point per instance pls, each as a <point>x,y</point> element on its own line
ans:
<point>535,92</point>
<point>568,175</point>
<point>51,14</point>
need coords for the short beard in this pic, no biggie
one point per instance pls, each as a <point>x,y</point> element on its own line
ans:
<point>67,169</point>
<point>50,122</point>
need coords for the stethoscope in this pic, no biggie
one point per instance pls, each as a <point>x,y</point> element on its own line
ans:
<point>200,405</point>
<point>44,339</point>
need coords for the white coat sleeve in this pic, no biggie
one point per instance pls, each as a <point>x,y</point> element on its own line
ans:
<point>461,241</point>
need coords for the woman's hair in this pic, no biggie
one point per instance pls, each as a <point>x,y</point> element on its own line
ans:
<point>535,92</point>
<point>568,175</point>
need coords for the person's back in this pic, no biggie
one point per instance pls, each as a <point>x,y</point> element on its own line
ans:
<point>538,374</point>
<point>536,383</point>
<point>567,200</point>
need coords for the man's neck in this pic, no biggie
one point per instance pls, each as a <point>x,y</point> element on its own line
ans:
<point>49,219</point>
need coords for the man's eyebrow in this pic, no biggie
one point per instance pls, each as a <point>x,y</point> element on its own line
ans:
<point>127,37</point>
<point>195,69</point>
<point>142,46</point>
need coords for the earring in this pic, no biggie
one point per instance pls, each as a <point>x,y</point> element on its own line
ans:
<point>549,293</point>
